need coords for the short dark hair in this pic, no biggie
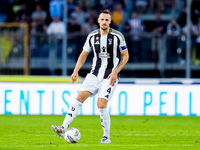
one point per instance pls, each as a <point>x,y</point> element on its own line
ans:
<point>106,11</point>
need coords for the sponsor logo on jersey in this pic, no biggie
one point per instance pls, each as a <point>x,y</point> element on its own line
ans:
<point>97,43</point>
<point>103,49</point>
<point>103,53</point>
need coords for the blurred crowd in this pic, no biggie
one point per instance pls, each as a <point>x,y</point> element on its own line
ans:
<point>82,14</point>
<point>133,17</point>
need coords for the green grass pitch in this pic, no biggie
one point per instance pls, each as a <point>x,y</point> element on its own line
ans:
<point>33,132</point>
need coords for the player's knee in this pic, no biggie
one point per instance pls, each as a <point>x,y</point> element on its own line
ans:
<point>80,98</point>
<point>101,106</point>
<point>101,103</point>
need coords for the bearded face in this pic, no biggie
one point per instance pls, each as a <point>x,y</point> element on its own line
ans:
<point>104,21</point>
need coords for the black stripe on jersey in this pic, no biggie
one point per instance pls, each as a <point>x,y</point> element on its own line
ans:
<point>97,38</point>
<point>91,35</point>
<point>90,42</point>
<point>118,33</point>
<point>118,53</point>
<point>110,65</point>
<point>118,50</point>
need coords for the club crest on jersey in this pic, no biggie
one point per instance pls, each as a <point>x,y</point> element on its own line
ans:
<point>97,38</point>
<point>109,41</point>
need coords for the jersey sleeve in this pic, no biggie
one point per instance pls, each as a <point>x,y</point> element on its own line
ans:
<point>87,45</point>
<point>122,43</point>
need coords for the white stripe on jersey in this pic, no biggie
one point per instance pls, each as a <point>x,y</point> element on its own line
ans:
<point>104,62</point>
<point>115,58</point>
<point>94,61</point>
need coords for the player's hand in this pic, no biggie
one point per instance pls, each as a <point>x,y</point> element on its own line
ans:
<point>113,78</point>
<point>74,77</point>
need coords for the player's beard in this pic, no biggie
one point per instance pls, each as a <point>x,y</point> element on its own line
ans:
<point>104,28</point>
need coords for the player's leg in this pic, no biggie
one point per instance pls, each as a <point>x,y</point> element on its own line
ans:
<point>75,108</point>
<point>89,87</point>
<point>105,94</point>
<point>72,113</point>
<point>105,119</point>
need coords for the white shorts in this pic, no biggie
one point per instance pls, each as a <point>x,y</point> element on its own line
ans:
<point>100,86</point>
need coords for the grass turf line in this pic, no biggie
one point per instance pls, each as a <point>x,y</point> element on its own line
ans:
<point>30,132</point>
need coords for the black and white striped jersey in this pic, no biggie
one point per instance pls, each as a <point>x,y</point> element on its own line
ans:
<point>106,50</point>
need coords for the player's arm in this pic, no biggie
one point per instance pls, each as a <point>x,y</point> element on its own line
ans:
<point>81,60</point>
<point>124,60</point>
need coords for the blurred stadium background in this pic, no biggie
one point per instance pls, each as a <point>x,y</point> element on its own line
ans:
<point>40,41</point>
<point>45,37</point>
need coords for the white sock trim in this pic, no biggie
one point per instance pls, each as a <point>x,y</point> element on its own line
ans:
<point>103,110</point>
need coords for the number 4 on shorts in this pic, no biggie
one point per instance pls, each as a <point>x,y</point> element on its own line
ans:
<point>108,90</point>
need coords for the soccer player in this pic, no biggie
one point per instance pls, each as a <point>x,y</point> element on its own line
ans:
<point>110,56</point>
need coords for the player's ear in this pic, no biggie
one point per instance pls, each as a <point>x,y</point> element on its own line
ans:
<point>98,20</point>
<point>110,22</point>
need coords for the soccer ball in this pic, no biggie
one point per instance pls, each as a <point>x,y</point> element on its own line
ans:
<point>72,135</point>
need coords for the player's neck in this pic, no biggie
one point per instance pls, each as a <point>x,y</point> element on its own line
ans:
<point>104,32</point>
